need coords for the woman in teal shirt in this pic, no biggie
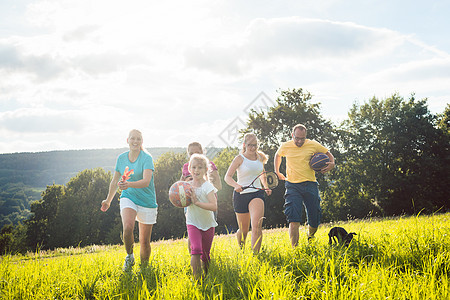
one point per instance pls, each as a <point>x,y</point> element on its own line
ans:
<point>134,176</point>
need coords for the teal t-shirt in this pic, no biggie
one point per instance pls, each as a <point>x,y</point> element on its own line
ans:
<point>145,197</point>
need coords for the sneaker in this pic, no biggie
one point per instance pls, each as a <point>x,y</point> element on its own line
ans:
<point>129,262</point>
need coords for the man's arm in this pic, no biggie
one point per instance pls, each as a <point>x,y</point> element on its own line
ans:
<point>330,164</point>
<point>276,165</point>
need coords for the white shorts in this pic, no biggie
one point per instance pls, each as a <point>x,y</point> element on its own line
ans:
<point>144,215</point>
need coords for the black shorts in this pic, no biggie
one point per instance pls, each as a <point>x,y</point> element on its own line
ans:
<point>241,201</point>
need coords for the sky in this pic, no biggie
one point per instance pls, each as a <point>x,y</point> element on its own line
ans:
<point>80,74</point>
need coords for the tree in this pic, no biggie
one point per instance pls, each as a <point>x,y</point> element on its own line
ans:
<point>225,212</point>
<point>70,215</point>
<point>395,157</point>
<point>13,239</point>
<point>274,126</point>
<point>79,220</point>
<point>444,120</point>
<point>171,220</point>
<point>6,238</point>
<point>15,198</point>
<point>292,107</point>
<point>41,223</point>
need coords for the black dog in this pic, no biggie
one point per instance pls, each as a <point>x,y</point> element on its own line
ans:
<point>340,235</point>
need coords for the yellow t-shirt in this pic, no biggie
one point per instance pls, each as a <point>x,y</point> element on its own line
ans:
<point>297,160</point>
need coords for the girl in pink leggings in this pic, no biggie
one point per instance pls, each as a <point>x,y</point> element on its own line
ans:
<point>200,219</point>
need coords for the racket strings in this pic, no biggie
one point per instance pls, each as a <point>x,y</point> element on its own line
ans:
<point>272,180</point>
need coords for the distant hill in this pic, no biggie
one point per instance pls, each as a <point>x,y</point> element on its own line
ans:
<point>24,176</point>
<point>45,168</point>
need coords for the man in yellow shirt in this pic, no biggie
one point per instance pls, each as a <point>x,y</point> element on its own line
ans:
<point>301,184</point>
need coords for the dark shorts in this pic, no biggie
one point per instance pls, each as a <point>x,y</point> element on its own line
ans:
<point>241,201</point>
<point>299,196</point>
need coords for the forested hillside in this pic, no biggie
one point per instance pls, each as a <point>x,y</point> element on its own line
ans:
<point>392,158</point>
<point>24,176</point>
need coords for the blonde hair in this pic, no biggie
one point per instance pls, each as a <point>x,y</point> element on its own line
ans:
<point>300,127</point>
<point>200,158</point>
<point>261,155</point>
<point>195,144</point>
<point>138,132</point>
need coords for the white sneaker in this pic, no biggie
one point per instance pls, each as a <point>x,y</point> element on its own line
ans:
<point>129,262</point>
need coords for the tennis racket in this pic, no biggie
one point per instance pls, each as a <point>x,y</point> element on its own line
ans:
<point>270,177</point>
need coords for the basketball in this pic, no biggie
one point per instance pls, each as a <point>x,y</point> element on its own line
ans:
<point>318,161</point>
<point>180,194</point>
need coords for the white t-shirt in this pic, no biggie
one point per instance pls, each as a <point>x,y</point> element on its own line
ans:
<point>201,218</point>
<point>247,172</point>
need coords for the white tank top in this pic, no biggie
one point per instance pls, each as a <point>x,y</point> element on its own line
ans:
<point>247,172</point>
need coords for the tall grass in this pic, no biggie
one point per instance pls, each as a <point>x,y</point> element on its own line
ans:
<point>399,258</point>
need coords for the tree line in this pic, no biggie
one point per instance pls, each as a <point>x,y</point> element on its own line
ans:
<point>392,158</point>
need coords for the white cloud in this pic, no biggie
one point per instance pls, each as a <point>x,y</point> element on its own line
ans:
<point>293,42</point>
<point>429,70</point>
<point>42,121</point>
<point>43,67</point>
<point>81,33</point>
<point>313,38</point>
<point>89,71</point>
<point>95,64</point>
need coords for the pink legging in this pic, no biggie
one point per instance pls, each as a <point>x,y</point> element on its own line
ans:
<point>201,241</point>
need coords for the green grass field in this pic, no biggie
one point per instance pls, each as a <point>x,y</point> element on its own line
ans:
<point>398,258</point>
